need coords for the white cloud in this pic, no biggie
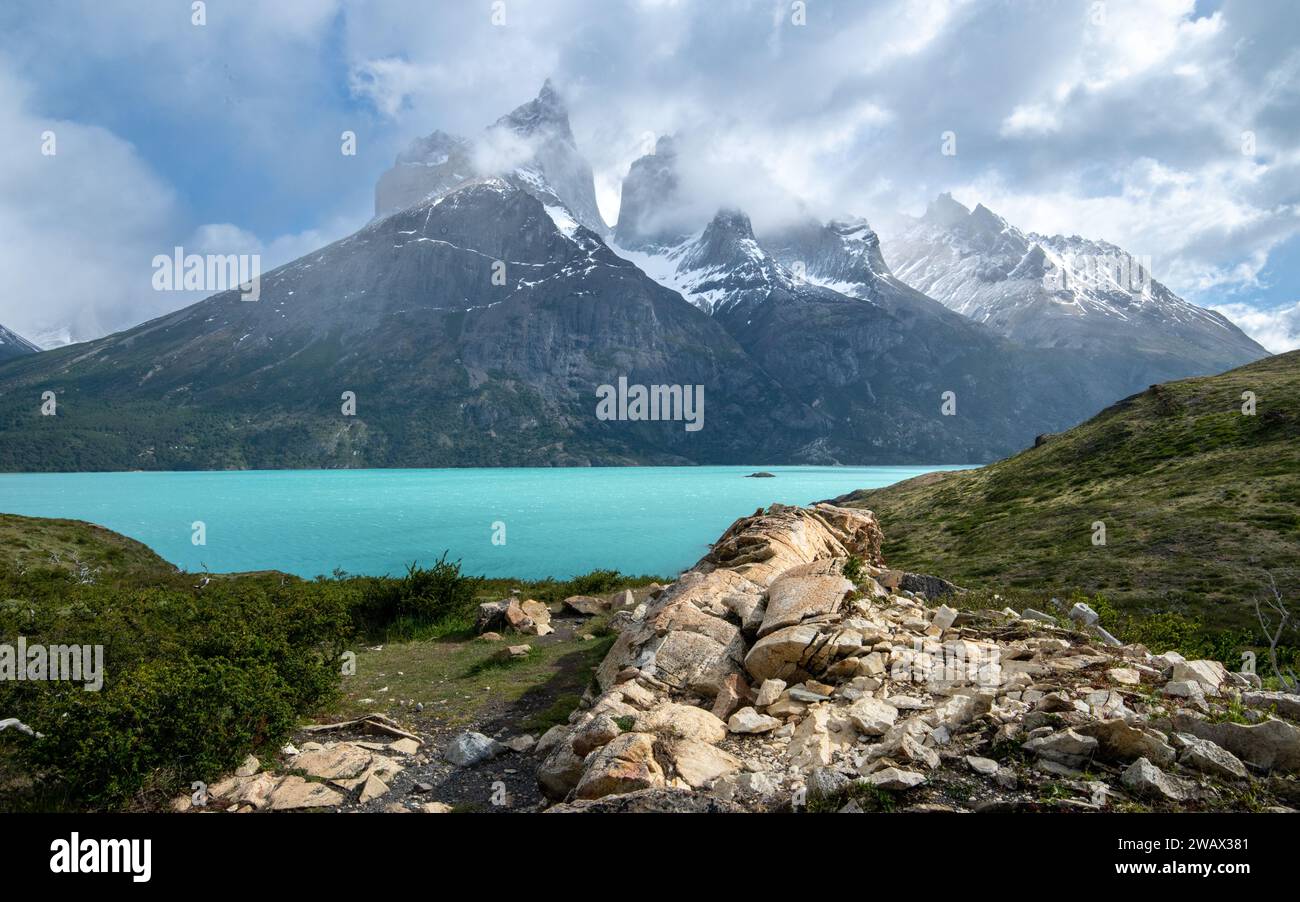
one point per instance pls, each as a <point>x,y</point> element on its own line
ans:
<point>1277,329</point>
<point>1127,130</point>
<point>81,227</point>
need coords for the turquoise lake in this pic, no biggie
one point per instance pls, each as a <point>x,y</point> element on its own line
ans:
<point>557,522</point>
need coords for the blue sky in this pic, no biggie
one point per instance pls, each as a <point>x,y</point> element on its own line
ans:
<point>1115,120</point>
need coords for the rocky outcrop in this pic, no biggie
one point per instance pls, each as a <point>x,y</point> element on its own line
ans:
<point>828,680</point>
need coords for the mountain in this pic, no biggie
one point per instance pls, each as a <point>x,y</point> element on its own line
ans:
<point>448,368</point>
<point>1064,293</point>
<point>1198,500</point>
<point>13,345</point>
<point>534,144</point>
<point>482,321</point>
<point>817,308</point>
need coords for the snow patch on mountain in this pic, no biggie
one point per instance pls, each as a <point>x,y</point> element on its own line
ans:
<point>1056,291</point>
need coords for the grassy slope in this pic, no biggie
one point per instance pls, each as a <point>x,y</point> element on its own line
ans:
<point>70,545</point>
<point>1197,499</point>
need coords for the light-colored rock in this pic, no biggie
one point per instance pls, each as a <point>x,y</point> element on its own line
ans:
<point>594,734</point>
<point>944,617</point>
<point>895,778</point>
<point>436,808</point>
<point>682,722</point>
<point>586,604</point>
<point>1284,703</point>
<point>794,599</point>
<point>551,738</point>
<point>732,694</point>
<point>748,720</point>
<point>468,749</point>
<point>344,761</point>
<point>871,716</point>
<point>1272,744</point>
<point>249,767</point>
<point>792,654</point>
<point>1210,674</point>
<point>521,744</point>
<point>986,767</point>
<point>1065,747</point>
<point>254,790</point>
<point>825,782</point>
<point>1208,758</point>
<point>763,546</point>
<point>1120,740</point>
<point>1145,779</point>
<point>699,763</point>
<point>1125,676</point>
<point>625,764</point>
<point>404,747</point>
<point>294,793</point>
<point>769,692</point>
<point>758,783</point>
<point>560,771</point>
<point>372,789</point>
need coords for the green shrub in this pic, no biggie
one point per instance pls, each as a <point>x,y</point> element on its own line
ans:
<point>423,597</point>
<point>852,568</point>
<point>193,679</point>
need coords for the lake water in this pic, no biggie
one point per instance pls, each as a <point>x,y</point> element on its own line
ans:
<point>557,522</point>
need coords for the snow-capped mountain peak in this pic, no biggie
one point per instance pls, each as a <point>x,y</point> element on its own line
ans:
<point>1054,291</point>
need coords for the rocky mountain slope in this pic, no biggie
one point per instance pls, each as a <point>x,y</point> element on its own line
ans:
<point>447,367</point>
<point>1066,293</point>
<point>14,345</point>
<point>1163,470</point>
<point>816,306</point>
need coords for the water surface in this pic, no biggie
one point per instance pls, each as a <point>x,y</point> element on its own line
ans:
<point>557,521</point>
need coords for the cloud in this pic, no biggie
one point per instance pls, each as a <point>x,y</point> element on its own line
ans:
<point>81,225</point>
<point>1278,329</point>
<point>1130,126</point>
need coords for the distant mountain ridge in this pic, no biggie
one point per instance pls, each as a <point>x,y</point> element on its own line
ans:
<point>1063,292</point>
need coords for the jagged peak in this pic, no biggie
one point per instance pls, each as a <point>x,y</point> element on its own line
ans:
<point>983,216</point>
<point>730,222</point>
<point>545,112</point>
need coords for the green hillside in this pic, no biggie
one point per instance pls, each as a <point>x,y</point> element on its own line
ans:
<point>1198,501</point>
<point>77,548</point>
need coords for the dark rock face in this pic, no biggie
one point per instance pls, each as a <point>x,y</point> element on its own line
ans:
<point>448,367</point>
<point>13,345</point>
<point>816,307</point>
